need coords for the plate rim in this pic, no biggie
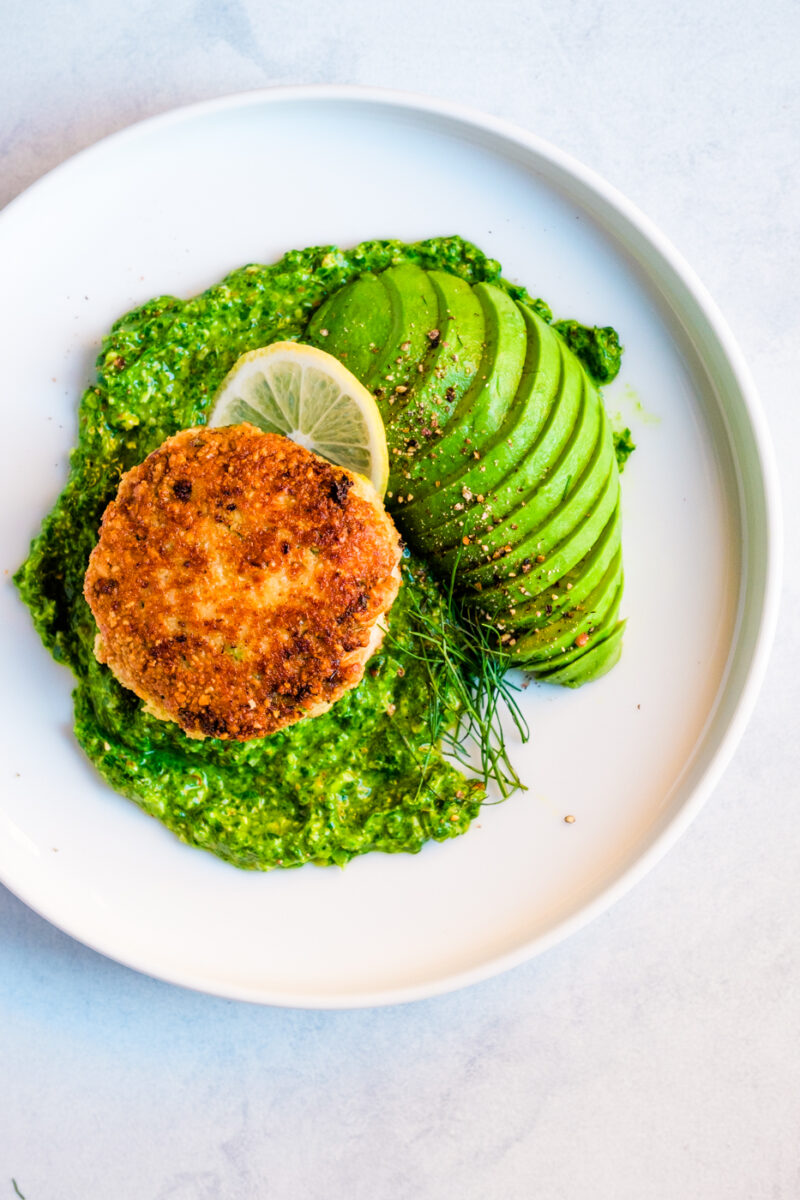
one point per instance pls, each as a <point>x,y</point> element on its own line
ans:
<point>613,204</point>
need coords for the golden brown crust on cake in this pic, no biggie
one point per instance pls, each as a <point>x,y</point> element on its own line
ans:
<point>239,581</point>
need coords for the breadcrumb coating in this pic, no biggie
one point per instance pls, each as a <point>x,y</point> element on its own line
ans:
<point>239,581</point>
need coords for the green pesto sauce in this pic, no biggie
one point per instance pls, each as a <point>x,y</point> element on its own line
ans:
<point>597,347</point>
<point>624,446</point>
<point>321,791</point>
<point>360,777</point>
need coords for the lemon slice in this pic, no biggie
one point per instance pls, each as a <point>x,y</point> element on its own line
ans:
<point>308,396</point>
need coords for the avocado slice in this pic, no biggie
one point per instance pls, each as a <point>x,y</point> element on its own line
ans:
<point>482,407</point>
<point>540,646</point>
<point>378,327</point>
<point>524,605</point>
<point>455,348</point>
<point>352,323</point>
<point>600,656</point>
<point>528,473</point>
<point>487,549</point>
<point>438,515</point>
<point>572,660</point>
<point>581,486</point>
<point>557,557</point>
<point>415,309</point>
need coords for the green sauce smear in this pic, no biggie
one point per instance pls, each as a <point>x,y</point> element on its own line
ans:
<point>363,776</point>
<point>624,446</point>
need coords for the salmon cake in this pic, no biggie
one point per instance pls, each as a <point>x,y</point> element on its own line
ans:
<point>240,582</point>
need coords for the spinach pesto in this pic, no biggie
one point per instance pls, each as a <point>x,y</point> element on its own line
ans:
<point>370,773</point>
<point>359,777</point>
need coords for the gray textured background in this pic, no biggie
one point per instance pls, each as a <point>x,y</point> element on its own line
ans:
<point>654,1056</point>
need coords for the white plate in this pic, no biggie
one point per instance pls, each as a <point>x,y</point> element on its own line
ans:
<point>172,205</point>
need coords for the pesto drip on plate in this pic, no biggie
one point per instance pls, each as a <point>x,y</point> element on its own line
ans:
<point>362,776</point>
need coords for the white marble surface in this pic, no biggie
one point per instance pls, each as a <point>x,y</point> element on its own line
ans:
<point>655,1055</point>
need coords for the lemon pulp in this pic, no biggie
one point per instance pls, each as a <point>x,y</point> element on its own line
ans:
<point>309,396</point>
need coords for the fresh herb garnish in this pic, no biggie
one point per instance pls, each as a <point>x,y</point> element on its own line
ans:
<point>468,684</point>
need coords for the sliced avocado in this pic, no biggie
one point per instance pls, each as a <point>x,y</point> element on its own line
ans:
<point>482,398</point>
<point>526,606</point>
<point>524,419</point>
<point>540,646</point>
<point>601,627</point>
<point>455,347</point>
<point>523,562</point>
<point>530,469</point>
<point>482,408</point>
<point>566,533</point>
<point>414,311</point>
<point>529,473</point>
<point>352,323</point>
<point>601,654</point>
<point>493,548</point>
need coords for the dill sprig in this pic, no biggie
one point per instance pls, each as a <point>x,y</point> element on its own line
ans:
<point>468,685</point>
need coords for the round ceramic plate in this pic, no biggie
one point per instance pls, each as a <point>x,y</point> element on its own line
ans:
<point>171,206</point>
